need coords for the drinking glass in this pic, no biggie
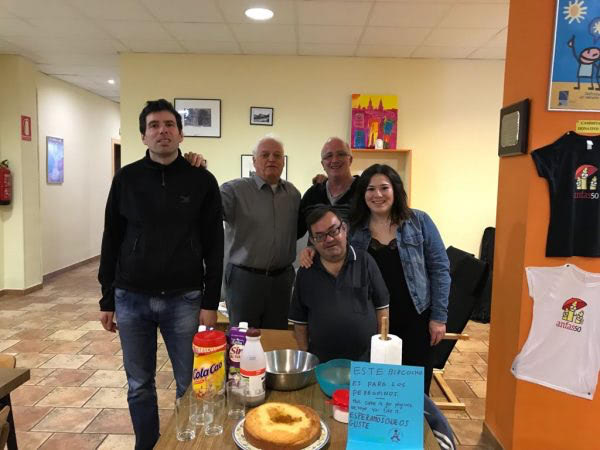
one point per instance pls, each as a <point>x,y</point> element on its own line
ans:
<point>186,430</point>
<point>215,412</point>
<point>236,398</point>
<point>197,413</point>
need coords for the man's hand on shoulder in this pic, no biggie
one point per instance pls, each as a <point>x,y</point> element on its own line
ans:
<point>106,319</point>
<point>195,159</point>
<point>306,257</point>
<point>208,317</point>
<point>319,178</point>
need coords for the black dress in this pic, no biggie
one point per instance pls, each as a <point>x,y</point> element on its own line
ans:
<point>405,321</point>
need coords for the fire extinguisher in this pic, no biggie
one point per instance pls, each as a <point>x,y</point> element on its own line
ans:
<point>5,183</point>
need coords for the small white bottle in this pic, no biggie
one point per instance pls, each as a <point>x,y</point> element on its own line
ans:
<point>253,367</point>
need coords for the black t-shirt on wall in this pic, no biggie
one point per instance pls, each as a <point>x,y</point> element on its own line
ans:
<point>571,167</point>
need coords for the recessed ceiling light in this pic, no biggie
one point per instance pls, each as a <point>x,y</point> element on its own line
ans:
<point>111,81</point>
<point>259,13</point>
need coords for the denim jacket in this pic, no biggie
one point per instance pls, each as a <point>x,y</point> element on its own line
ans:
<point>424,261</point>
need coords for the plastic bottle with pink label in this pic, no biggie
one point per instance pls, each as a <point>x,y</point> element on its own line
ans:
<point>236,339</point>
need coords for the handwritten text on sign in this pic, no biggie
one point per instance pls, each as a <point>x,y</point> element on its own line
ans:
<point>386,407</point>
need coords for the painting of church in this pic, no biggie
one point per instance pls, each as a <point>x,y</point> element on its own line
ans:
<point>374,117</point>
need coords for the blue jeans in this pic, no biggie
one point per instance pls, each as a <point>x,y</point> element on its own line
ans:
<point>138,317</point>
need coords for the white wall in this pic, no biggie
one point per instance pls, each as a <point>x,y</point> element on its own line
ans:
<point>73,212</point>
<point>21,266</point>
<point>447,114</point>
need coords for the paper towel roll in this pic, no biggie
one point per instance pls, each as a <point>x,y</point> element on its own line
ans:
<point>386,352</point>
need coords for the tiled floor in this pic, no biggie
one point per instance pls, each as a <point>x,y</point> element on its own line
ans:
<point>76,397</point>
<point>466,373</point>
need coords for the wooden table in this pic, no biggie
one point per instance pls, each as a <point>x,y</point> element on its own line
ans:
<point>10,379</point>
<point>310,396</point>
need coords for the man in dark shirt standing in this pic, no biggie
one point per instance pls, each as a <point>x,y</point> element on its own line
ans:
<point>338,190</point>
<point>161,263</point>
<point>339,302</point>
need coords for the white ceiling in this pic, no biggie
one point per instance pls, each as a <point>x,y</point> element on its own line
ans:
<point>79,40</point>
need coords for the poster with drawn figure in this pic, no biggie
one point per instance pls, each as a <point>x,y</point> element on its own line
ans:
<point>575,78</point>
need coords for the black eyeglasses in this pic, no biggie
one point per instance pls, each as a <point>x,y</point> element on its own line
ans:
<point>340,155</point>
<point>320,237</point>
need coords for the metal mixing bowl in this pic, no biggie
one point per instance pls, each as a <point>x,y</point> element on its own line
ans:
<point>288,370</point>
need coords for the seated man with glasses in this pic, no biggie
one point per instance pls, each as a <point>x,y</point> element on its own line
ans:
<point>339,302</point>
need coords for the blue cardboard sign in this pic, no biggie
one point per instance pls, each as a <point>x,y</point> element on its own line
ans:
<point>386,407</point>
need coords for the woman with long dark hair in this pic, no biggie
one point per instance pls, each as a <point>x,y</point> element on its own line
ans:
<point>412,258</point>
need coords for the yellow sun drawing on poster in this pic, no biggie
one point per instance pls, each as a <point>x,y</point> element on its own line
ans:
<point>575,11</point>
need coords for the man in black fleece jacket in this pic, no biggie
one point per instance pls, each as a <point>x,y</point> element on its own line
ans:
<point>161,263</point>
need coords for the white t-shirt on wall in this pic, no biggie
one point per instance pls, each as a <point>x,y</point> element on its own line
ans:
<point>562,350</point>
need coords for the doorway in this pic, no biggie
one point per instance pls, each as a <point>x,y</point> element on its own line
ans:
<point>116,155</point>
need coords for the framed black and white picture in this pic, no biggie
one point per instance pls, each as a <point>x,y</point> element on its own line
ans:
<point>260,115</point>
<point>248,167</point>
<point>201,117</point>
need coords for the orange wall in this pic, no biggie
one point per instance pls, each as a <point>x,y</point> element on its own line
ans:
<point>520,414</point>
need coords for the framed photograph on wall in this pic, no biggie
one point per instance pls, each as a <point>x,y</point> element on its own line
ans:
<point>260,115</point>
<point>248,167</point>
<point>55,158</point>
<point>201,117</point>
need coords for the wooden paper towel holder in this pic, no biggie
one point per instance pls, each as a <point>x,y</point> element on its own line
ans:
<point>385,328</point>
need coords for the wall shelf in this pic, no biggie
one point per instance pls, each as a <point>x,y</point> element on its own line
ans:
<point>386,150</point>
<point>399,159</point>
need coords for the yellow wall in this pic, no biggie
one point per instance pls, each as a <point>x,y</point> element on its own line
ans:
<point>86,122</point>
<point>448,115</point>
<point>72,213</point>
<point>21,235</point>
<point>7,141</point>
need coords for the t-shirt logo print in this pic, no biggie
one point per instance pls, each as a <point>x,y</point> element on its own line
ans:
<point>572,316</point>
<point>586,182</point>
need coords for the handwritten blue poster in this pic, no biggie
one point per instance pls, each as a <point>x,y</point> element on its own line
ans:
<point>575,79</point>
<point>386,407</point>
